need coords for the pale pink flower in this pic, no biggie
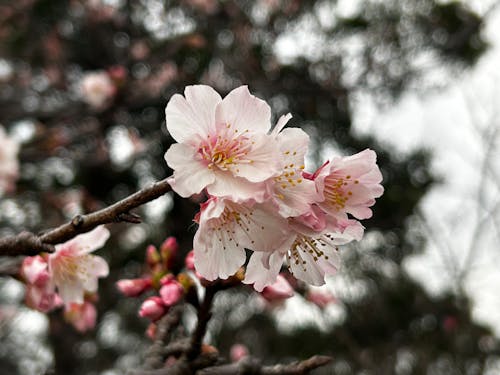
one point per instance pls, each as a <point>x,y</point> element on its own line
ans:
<point>9,164</point>
<point>237,352</point>
<point>279,290</point>
<point>227,228</point>
<point>223,144</point>
<point>152,308</point>
<point>97,89</point>
<point>133,287</point>
<point>311,250</point>
<point>81,316</point>
<point>292,193</point>
<point>73,270</point>
<point>42,297</point>
<point>171,292</point>
<point>35,270</point>
<point>349,185</point>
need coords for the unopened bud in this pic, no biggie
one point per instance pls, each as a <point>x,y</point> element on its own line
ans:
<point>133,287</point>
<point>152,308</point>
<point>189,261</point>
<point>237,352</point>
<point>34,270</point>
<point>168,251</point>
<point>152,256</point>
<point>171,292</point>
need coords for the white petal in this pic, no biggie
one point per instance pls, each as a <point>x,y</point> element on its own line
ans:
<point>258,274</point>
<point>194,115</point>
<point>283,120</point>
<point>236,188</point>
<point>87,242</point>
<point>215,256</point>
<point>71,292</point>
<point>243,111</point>
<point>191,176</point>
<point>262,161</point>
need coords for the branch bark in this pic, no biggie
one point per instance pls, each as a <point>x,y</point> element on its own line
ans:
<point>26,243</point>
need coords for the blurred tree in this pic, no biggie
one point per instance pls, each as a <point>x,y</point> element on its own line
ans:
<point>309,58</point>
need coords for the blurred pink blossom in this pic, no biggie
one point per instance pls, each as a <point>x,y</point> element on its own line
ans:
<point>73,270</point>
<point>82,316</point>
<point>97,89</point>
<point>237,352</point>
<point>320,297</point>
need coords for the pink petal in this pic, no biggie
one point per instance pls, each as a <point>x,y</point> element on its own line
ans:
<point>191,176</point>
<point>244,111</point>
<point>236,188</point>
<point>87,242</point>
<point>194,115</point>
<point>258,274</point>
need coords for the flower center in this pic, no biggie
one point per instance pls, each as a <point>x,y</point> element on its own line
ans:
<point>225,150</point>
<point>336,193</point>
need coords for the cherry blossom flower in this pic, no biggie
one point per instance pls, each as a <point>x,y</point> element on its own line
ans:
<point>97,89</point>
<point>81,316</point>
<point>9,164</point>
<point>73,270</point>
<point>227,228</point>
<point>42,297</point>
<point>223,144</point>
<point>311,250</point>
<point>349,185</point>
<point>35,270</point>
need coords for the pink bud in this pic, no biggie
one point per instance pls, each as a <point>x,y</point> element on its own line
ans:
<point>171,292</point>
<point>320,297</point>
<point>168,250</point>
<point>189,261</point>
<point>280,290</point>
<point>81,316</point>
<point>152,256</point>
<point>34,270</point>
<point>152,308</point>
<point>133,287</point>
<point>237,352</point>
<point>151,331</point>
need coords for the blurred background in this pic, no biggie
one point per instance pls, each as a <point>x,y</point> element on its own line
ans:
<point>83,87</point>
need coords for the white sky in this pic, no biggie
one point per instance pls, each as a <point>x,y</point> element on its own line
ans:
<point>461,127</point>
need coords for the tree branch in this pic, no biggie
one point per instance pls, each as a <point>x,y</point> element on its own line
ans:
<point>26,243</point>
<point>251,365</point>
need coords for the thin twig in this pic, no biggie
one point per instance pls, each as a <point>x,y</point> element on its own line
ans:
<point>26,243</point>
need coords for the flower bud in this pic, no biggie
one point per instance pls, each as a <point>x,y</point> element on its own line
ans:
<point>133,287</point>
<point>237,352</point>
<point>189,261</point>
<point>168,251</point>
<point>152,256</point>
<point>280,290</point>
<point>152,308</point>
<point>171,292</point>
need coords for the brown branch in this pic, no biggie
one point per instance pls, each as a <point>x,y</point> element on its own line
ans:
<point>251,365</point>
<point>26,243</point>
<point>204,315</point>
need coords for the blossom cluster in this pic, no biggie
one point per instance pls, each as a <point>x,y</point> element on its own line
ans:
<point>167,289</point>
<point>68,277</point>
<point>259,195</point>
